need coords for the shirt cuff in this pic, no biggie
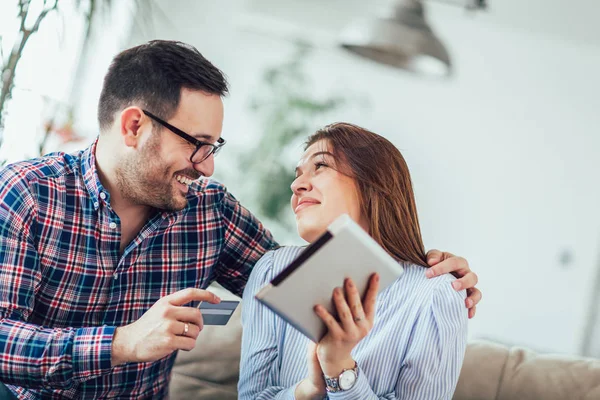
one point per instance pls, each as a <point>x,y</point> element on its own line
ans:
<point>360,391</point>
<point>287,394</point>
<point>92,352</point>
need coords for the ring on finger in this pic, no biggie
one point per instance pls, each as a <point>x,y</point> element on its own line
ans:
<point>186,328</point>
<point>358,319</point>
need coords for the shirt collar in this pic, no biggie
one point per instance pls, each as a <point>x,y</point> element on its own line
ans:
<point>90,176</point>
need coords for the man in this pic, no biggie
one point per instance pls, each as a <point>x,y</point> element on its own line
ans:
<point>103,252</point>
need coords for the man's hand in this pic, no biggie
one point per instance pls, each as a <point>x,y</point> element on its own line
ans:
<point>167,326</point>
<point>443,263</point>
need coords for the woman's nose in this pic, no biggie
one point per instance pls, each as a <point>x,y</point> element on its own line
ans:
<point>300,184</point>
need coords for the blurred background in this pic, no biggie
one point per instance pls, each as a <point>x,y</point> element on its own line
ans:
<point>495,106</point>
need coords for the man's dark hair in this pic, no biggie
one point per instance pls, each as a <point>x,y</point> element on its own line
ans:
<point>152,75</point>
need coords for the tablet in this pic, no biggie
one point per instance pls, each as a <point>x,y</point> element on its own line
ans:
<point>345,250</point>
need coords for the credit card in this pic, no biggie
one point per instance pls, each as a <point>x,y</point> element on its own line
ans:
<point>218,314</point>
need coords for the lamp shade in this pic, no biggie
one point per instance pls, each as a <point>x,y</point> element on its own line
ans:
<point>401,39</point>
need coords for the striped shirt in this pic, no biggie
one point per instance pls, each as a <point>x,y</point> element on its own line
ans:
<point>65,286</point>
<point>414,351</point>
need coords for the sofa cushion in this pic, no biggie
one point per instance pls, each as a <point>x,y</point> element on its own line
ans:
<point>528,375</point>
<point>481,370</point>
<point>494,372</point>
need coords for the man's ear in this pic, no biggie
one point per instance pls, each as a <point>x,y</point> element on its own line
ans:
<point>132,124</point>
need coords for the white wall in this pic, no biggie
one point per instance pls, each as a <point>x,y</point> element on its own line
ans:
<point>503,156</point>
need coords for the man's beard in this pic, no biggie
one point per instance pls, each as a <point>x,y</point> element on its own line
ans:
<point>145,180</point>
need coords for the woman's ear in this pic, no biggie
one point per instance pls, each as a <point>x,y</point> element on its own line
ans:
<point>132,121</point>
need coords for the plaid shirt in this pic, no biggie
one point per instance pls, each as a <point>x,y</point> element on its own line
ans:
<point>65,286</point>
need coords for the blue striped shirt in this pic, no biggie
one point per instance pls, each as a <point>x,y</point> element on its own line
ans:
<point>414,351</point>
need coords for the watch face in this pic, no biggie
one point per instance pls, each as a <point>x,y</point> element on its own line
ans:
<point>347,379</point>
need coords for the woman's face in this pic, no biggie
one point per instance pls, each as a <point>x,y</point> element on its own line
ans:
<point>321,193</point>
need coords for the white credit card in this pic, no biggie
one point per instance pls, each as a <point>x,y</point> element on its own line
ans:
<point>218,314</point>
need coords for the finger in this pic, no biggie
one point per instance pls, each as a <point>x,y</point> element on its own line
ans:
<point>466,282</point>
<point>433,257</point>
<point>472,312</point>
<point>436,256</point>
<point>370,300</point>
<point>332,325</point>
<point>474,298</point>
<point>193,330</point>
<point>178,328</point>
<point>452,264</point>
<point>343,309</point>
<point>192,294</point>
<point>354,301</point>
<point>187,314</point>
<point>183,342</point>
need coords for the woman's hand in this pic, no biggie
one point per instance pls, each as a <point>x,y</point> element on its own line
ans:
<point>315,373</point>
<point>443,263</point>
<point>356,320</point>
<point>312,387</point>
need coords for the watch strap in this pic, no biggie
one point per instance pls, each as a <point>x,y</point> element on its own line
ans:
<point>332,384</point>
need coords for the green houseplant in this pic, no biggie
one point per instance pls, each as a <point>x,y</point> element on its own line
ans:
<point>288,110</point>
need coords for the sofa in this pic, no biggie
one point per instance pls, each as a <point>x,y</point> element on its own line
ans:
<point>490,371</point>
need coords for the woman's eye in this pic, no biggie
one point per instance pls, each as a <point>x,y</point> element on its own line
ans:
<point>319,165</point>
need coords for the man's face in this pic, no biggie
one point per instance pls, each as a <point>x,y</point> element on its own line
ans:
<point>159,173</point>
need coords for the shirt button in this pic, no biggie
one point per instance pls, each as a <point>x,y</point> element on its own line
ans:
<point>102,195</point>
<point>116,276</point>
<point>112,225</point>
<point>96,204</point>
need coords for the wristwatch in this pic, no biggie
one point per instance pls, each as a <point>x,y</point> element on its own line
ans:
<point>345,381</point>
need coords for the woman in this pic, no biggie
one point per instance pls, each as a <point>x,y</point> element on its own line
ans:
<point>408,342</point>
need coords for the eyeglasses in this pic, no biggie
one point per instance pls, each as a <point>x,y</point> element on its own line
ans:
<point>203,150</point>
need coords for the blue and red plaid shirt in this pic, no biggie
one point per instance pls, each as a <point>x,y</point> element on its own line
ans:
<point>65,286</point>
